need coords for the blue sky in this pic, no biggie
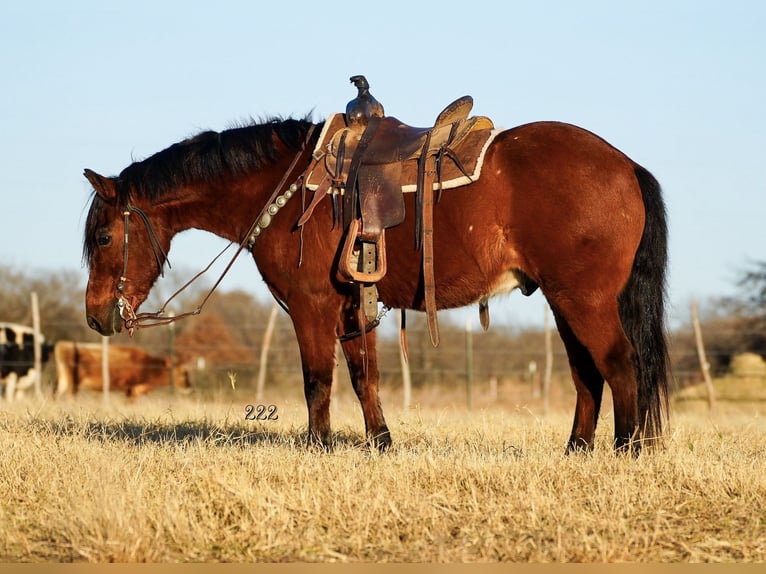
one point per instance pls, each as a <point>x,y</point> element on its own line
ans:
<point>678,86</point>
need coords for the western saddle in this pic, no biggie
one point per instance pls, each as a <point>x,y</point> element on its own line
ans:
<point>365,161</point>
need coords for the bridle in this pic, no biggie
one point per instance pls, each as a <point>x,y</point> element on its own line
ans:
<point>135,320</point>
<point>161,257</point>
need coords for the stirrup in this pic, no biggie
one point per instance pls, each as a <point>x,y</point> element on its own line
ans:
<point>365,263</point>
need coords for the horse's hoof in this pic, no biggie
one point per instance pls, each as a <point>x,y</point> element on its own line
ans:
<point>627,446</point>
<point>322,443</point>
<point>579,446</point>
<point>381,441</point>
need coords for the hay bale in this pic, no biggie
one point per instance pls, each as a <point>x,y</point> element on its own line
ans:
<point>748,365</point>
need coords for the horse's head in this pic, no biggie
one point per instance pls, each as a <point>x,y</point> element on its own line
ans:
<point>126,241</point>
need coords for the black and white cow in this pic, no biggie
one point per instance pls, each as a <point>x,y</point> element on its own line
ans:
<point>17,358</point>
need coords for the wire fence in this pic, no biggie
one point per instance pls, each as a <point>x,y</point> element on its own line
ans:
<point>503,357</point>
<point>233,346</point>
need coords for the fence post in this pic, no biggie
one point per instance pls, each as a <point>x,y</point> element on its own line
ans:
<point>37,344</point>
<point>469,363</point>
<point>406,374</point>
<point>493,388</point>
<point>267,336</point>
<point>704,365</point>
<point>172,352</point>
<point>548,361</point>
<point>105,368</point>
<point>534,379</point>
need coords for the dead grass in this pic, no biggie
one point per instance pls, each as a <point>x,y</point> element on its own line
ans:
<point>188,480</point>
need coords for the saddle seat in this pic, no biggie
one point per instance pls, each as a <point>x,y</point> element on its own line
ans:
<point>394,141</point>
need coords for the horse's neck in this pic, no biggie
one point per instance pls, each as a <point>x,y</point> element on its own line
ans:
<point>225,208</point>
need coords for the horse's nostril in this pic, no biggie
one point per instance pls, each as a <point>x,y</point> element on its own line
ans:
<point>94,324</point>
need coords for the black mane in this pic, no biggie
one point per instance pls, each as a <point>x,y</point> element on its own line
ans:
<point>209,156</point>
<point>206,156</point>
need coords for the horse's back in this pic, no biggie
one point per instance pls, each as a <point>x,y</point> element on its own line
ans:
<point>554,151</point>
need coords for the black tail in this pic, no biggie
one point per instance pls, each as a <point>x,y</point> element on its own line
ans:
<point>642,310</point>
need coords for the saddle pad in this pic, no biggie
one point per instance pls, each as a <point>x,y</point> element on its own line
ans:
<point>470,151</point>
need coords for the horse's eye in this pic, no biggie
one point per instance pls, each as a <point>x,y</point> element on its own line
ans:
<point>103,239</point>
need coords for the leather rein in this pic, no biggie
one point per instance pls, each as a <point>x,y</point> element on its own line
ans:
<point>135,320</point>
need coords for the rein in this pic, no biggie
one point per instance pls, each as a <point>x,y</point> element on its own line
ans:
<point>135,320</point>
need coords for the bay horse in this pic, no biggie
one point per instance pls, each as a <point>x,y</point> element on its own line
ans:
<point>556,207</point>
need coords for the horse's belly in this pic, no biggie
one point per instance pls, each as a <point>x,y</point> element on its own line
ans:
<point>506,283</point>
<point>454,294</point>
<point>459,296</point>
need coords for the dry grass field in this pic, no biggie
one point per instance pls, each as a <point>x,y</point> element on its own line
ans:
<point>181,479</point>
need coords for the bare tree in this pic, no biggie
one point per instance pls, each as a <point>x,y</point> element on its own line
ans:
<point>61,299</point>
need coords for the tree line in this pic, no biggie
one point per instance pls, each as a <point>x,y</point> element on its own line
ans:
<point>228,335</point>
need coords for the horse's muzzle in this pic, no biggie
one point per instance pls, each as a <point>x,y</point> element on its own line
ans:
<point>108,322</point>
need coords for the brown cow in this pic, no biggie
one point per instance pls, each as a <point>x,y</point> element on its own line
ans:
<point>131,370</point>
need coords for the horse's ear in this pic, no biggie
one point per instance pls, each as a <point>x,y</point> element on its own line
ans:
<point>104,186</point>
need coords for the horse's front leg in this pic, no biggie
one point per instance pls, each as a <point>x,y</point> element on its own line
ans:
<point>315,324</point>
<point>362,360</point>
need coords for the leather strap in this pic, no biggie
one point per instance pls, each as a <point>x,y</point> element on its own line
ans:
<point>351,197</point>
<point>429,285</point>
<point>484,313</point>
<point>403,336</point>
<point>319,194</point>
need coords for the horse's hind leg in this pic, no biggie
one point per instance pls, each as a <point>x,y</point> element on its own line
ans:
<point>598,329</point>
<point>362,359</point>
<point>589,385</point>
